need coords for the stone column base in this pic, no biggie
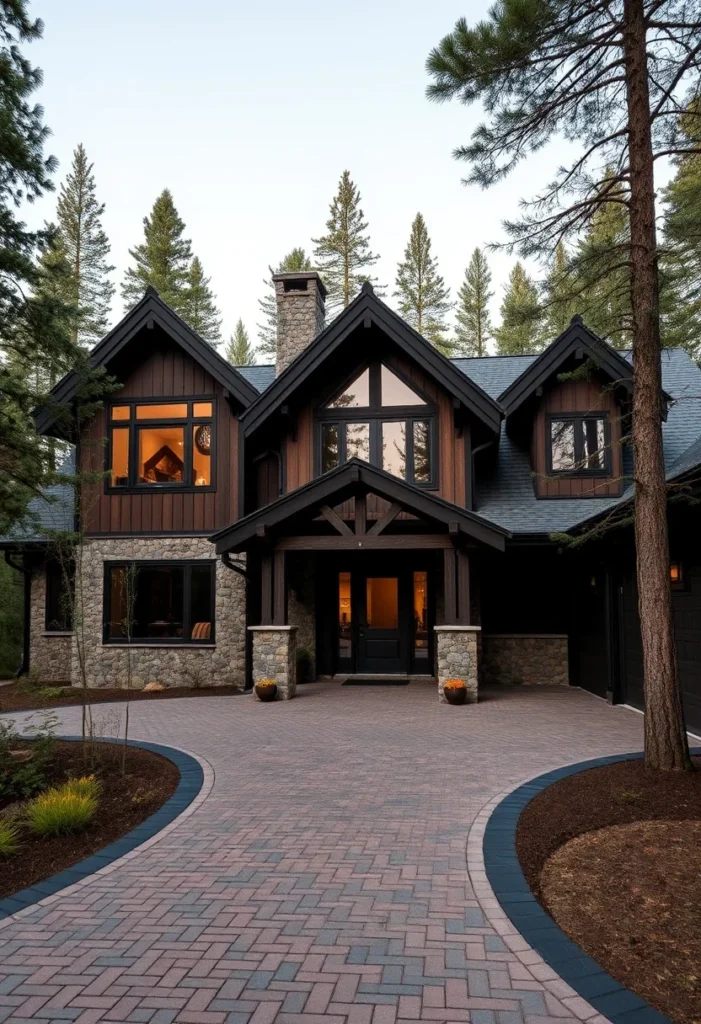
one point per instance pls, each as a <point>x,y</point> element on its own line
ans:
<point>275,657</point>
<point>457,657</point>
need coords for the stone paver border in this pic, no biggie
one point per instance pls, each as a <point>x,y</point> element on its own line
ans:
<point>579,971</point>
<point>195,775</point>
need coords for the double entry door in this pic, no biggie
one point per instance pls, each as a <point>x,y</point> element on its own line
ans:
<point>383,617</point>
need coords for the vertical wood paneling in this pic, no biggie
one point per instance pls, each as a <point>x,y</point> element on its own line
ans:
<point>165,373</point>
<point>576,396</point>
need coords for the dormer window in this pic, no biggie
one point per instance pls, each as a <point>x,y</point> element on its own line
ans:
<point>382,419</point>
<point>161,445</point>
<point>578,444</point>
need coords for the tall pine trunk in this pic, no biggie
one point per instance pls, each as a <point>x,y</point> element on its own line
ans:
<point>665,736</point>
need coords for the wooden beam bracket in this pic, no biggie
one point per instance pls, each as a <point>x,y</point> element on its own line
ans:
<point>389,516</point>
<point>332,517</point>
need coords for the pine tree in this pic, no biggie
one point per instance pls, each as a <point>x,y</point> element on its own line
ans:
<point>27,336</point>
<point>681,295</point>
<point>240,351</point>
<point>520,330</point>
<point>199,308</point>
<point>343,254</point>
<point>87,249</point>
<point>474,328</point>
<point>162,259</point>
<point>424,300</point>
<point>295,260</point>
<point>608,77</point>
<point>562,299</point>
<point>601,265</point>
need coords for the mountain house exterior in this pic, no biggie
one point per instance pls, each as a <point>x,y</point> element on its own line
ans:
<point>366,507</point>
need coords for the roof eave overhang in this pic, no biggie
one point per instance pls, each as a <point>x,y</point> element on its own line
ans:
<point>151,310</point>
<point>336,486</point>
<point>365,310</point>
<point>576,337</point>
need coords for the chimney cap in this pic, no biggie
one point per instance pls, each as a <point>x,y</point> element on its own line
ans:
<point>302,275</point>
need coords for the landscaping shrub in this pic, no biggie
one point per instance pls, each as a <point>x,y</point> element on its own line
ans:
<point>9,838</point>
<point>86,785</point>
<point>23,779</point>
<point>60,812</point>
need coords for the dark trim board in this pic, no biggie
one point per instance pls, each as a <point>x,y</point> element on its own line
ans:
<point>506,878</point>
<point>348,480</point>
<point>576,339</point>
<point>151,310</point>
<point>191,781</point>
<point>367,309</point>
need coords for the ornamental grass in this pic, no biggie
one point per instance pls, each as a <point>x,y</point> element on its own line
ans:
<point>9,838</point>
<point>86,785</point>
<point>61,811</point>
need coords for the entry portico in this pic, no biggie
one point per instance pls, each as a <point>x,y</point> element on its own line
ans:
<point>391,569</point>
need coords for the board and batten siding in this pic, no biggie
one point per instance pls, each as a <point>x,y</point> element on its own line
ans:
<point>299,450</point>
<point>167,372</point>
<point>577,396</point>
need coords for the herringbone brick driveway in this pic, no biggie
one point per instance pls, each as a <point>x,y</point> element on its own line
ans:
<point>323,879</point>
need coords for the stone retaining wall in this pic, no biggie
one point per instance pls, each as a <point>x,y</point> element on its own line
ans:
<point>525,659</point>
<point>219,664</point>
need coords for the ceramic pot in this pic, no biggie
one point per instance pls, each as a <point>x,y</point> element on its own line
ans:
<point>265,693</point>
<point>456,695</point>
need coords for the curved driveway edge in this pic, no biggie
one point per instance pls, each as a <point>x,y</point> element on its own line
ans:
<point>195,774</point>
<point>538,930</point>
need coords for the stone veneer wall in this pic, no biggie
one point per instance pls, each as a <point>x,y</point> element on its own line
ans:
<point>49,653</point>
<point>275,657</point>
<point>220,664</point>
<point>458,657</point>
<point>528,659</point>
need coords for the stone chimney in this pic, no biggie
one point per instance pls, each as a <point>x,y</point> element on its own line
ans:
<point>300,299</point>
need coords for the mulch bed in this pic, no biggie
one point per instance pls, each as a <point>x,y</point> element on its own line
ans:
<point>14,698</point>
<point>126,800</point>
<point>614,855</point>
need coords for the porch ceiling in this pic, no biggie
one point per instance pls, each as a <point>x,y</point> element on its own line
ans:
<point>355,479</point>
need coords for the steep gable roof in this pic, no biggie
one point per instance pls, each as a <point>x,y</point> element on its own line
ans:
<point>148,311</point>
<point>347,480</point>
<point>367,309</point>
<point>576,338</point>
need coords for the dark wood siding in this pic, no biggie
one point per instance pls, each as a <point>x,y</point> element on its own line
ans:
<point>576,396</point>
<point>167,372</point>
<point>300,454</point>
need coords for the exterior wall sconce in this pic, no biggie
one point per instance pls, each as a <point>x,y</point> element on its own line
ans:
<point>676,576</point>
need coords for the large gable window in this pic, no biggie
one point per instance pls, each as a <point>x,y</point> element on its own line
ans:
<point>159,602</point>
<point>578,444</point>
<point>384,420</point>
<point>161,444</point>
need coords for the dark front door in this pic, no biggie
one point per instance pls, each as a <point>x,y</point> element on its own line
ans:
<point>379,630</point>
<point>382,612</point>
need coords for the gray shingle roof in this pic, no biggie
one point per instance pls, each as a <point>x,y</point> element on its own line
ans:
<point>507,497</point>
<point>261,377</point>
<point>52,512</point>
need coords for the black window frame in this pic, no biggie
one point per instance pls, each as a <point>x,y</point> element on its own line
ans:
<point>55,584</point>
<point>577,419</point>
<point>375,415</point>
<point>158,563</point>
<point>188,423</point>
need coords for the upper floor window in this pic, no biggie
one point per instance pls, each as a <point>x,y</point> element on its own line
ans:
<point>381,419</point>
<point>578,444</point>
<point>161,444</point>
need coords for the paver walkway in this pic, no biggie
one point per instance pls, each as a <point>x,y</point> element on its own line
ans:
<point>323,880</point>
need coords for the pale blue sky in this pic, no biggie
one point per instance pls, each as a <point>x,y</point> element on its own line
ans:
<point>249,112</point>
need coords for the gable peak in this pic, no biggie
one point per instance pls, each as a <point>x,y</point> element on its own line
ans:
<point>367,288</point>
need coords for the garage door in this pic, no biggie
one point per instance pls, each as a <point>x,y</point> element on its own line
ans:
<point>686,605</point>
